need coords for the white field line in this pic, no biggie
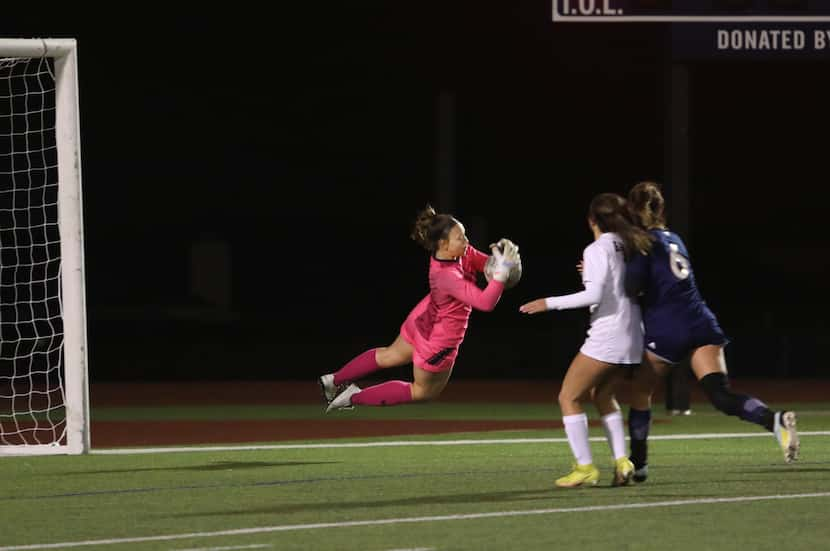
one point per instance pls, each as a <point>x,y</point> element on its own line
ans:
<point>801,412</point>
<point>226,548</point>
<point>385,444</point>
<point>413,520</point>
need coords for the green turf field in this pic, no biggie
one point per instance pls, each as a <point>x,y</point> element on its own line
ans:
<point>716,483</point>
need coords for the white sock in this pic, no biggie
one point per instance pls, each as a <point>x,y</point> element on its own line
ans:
<point>576,427</point>
<point>615,433</point>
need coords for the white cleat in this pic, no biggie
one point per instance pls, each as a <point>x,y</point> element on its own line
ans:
<point>327,387</point>
<point>344,399</point>
<point>787,435</point>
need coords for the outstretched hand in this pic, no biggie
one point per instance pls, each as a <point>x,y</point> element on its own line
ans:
<point>534,306</point>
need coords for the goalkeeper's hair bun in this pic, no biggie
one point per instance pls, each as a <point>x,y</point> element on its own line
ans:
<point>431,227</point>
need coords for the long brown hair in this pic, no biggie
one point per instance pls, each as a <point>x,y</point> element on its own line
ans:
<point>646,205</point>
<point>431,227</point>
<point>608,211</point>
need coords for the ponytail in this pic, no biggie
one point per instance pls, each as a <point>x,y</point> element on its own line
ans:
<point>646,205</point>
<point>608,211</point>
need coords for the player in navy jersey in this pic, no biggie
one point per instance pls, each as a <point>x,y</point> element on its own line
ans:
<point>678,325</point>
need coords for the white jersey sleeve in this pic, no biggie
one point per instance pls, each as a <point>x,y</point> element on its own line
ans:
<point>595,271</point>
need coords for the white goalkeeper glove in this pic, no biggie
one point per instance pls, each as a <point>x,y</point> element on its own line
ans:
<point>505,260</point>
<point>502,242</point>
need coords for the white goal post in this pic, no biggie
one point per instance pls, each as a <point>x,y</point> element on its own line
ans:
<point>44,392</point>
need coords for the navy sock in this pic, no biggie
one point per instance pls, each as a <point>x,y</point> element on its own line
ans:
<point>639,425</point>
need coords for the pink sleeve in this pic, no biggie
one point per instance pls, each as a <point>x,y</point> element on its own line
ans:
<point>476,258</point>
<point>469,293</point>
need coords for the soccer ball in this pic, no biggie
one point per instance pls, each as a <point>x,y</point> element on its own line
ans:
<point>512,279</point>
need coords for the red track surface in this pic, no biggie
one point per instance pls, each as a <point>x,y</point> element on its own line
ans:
<point>157,433</point>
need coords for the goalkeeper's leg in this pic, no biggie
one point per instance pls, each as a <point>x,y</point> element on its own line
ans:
<point>396,354</point>
<point>427,385</point>
<point>430,377</point>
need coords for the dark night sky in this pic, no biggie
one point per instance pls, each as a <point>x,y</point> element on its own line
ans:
<point>306,140</point>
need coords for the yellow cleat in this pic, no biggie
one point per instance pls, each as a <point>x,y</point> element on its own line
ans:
<point>623,471</point>
<point>786,434</point>
<point>582,475</point>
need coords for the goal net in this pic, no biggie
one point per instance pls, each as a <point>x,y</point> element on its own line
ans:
<point>43,374</point>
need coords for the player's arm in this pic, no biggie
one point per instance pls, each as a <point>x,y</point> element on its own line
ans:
<point>476,258</point>
<point>469,293</point>
<point>594,273</point>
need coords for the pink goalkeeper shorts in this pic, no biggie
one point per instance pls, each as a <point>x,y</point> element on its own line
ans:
<point>423,355</point>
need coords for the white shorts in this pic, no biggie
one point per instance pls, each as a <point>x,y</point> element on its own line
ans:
<point>621,349</point>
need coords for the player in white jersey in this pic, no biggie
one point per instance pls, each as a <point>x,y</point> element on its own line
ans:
<point>615,338</point>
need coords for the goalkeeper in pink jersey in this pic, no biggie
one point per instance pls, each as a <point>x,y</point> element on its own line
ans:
<point>435,328</point>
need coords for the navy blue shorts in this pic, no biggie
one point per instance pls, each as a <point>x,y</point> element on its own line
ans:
<point>674,345</point>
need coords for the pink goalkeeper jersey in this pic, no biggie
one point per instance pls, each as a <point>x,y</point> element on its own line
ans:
<point>440,319</point>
